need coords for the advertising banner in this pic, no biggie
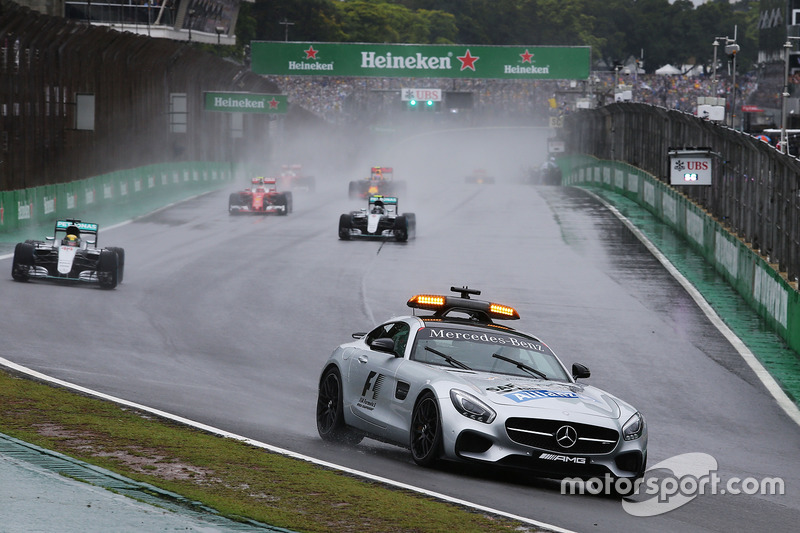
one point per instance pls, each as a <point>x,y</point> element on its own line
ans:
<point>246,102</point>
<point>420,61</point>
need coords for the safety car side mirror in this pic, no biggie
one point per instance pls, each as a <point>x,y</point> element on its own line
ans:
<point>383,345</point>
<point>580,371</point>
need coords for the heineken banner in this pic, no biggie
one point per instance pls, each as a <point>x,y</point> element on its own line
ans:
<point>246,102</point>
<point>420,61</point>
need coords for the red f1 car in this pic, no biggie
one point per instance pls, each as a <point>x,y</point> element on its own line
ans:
<point>262,197</point>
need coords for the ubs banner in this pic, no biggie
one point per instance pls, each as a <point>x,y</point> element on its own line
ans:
<point>420,61</point>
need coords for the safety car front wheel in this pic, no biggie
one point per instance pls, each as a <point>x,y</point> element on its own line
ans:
<point>330,410</point>
<point>426,431</point>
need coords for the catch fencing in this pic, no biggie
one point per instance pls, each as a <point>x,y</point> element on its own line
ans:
<point>755,190</point>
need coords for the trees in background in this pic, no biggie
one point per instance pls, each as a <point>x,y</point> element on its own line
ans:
<point>658,31</point>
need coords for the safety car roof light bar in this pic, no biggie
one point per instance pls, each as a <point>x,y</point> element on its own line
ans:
<point>477,309</point>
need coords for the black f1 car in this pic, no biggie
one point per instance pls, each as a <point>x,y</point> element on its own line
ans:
<point>71,254</point>
<point>380,219</point>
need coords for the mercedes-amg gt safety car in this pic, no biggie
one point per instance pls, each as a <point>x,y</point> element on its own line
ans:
<point>457,385</point>
<point>262,197</point>
<point>380,181</point>
<point>71,254</point>
<point>380,219</point>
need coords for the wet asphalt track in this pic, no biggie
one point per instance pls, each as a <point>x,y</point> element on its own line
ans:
<point>227,320</point>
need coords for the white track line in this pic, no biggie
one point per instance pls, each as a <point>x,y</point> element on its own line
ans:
<point>210,429</point>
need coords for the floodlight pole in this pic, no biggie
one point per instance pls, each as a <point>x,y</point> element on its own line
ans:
<point>286,25</point>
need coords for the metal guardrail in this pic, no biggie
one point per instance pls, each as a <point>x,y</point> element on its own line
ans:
<point>755,190</point>
<point>47,63</point>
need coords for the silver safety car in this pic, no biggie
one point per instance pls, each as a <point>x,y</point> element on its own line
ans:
<point>458,385</point>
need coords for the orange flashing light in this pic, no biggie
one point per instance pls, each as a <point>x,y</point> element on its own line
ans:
<point>503,310</point>
<point>426,301</point>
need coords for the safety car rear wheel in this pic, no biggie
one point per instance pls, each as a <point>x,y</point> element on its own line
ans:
<point>330,410</point>
<point>426,431</point>
<point>345,223</point>
<point>23,260</point>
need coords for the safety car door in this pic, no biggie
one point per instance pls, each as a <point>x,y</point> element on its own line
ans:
<point>372,376</point>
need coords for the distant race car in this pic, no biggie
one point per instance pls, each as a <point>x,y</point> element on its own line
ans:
<point>456,385</point>
<point>379,219</point>
<point>380,181</point>
<point>292,177</point>
<point>262,197</point>
<point>71,254</point>
<point>548,173</point>
<point>479,176</point>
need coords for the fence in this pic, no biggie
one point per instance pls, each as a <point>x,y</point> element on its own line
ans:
<point>755,192</point>
<point>147,95</point>
<point>751,275</point>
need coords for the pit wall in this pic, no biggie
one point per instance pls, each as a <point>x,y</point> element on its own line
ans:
<point>770,294</point>
<point>148,187</point>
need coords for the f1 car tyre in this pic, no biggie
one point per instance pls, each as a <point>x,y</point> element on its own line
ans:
<point>120,261</point>
<point>108,269</point>
<point>23,259</point>
<point>344,227</point>
<point>287,201</point>
<point>411,218</point>
<point>234,200</point>
<point>426,431</point>
<point>330,410</point>
<point>401,228</point>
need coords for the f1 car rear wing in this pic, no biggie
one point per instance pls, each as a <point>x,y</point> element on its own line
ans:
<point>381,173</point>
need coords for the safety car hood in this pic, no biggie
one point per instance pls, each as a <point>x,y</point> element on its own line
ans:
<point>543,395</point>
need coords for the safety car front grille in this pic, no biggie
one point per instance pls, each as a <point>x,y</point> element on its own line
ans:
<point>545,435</point>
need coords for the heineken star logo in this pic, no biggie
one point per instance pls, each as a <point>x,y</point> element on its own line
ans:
<point>311,53</point>
<point>526,57</point>
<point>468,61</point>
<point>273,104</point>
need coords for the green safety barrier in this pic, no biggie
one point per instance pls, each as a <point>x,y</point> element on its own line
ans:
<point>139,189</point>
<point>757,281</point>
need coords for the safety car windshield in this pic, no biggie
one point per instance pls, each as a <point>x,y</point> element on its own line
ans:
<point>479,349</point>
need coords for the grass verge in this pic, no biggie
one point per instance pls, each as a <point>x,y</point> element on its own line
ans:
<point>240,481</point>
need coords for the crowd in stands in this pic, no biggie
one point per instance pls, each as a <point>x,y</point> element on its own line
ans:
<point>346,99</point>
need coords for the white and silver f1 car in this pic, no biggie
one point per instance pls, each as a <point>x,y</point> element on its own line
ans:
<point>379,219</point>
<point>71,254</point>
<point>456,385</point>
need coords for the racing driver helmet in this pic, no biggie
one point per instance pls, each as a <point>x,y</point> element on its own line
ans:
<point>71,240</point>
<point>377,208</point>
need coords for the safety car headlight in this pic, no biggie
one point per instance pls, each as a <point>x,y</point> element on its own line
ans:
<point>471,407</point>
<point>633,428</point>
